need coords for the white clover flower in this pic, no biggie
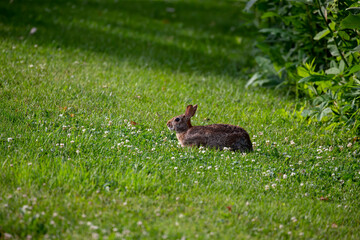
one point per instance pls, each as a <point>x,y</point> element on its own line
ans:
<point>286,139</point>
<point>61,145</point>
<point>209,167</point>
<point>284,176</point>
<point>273,185</point>
<point>175,168</point>
<point>29,164</point>
<point>10,139</point>
<point>294,219</point>
<point>93,227</point>
<point>267,187</point>
<point>292,174</point>
<point>292,142</point>
<point>349,145</point>
<point>301,184</point>
<point>172,158</point>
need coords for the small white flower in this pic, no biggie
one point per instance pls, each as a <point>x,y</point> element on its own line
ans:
<point>273,185</point>
<point>292,142</point>
<point>294,219</point>
<point>78,151</point>
<point>33,30</point>
<point>267,187</point>
<point>172,158</point>
<point>61,145</point>
<point>72,141</point>
<point>106,132</point>
<point>349,145</point>
<point>29,164</point>
<point>10,139</point>
<point>301,184</point>
<point>284,176</point>
<point>93,227</point>
<point>175,168</point>
<point>139,223</point>
<point>286,139</point>
<point>292,174</point>
<point>281,226</point>
<point>209,167</point>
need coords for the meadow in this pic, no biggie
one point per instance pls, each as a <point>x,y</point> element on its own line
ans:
<point>86,89</point>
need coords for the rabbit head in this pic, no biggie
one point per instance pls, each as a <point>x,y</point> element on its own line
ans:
<point>182,122</point>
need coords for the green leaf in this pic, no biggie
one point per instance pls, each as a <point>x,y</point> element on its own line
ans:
<point>249,4</point>
<point>315,78</point>
<point>353,69</point>
<point>302,72</point>
<point>333,70</point>
<point>333,50</point>
<point>321,34</point>
<point>269,14</point>
<point>332,26</point>
<point>350,22</point>
<point>327,112</point>
<point>356,49</point>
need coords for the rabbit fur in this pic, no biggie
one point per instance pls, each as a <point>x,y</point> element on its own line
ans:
<point>217,136</point>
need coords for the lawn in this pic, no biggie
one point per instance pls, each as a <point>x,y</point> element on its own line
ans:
<point>86,89</point>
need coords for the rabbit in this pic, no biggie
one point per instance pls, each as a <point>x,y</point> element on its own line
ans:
<point>217,136</point>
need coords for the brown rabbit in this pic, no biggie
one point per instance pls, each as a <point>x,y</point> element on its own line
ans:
<point>216,136</point>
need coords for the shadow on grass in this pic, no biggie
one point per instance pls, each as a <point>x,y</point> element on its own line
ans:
<point>204,37</point>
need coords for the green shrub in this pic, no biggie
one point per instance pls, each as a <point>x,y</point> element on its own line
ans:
<point>311,49</point>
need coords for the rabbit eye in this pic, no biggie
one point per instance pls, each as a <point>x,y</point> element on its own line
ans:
<point>177,119</point>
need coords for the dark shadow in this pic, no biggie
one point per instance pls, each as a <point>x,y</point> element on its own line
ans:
<point>205,37</point>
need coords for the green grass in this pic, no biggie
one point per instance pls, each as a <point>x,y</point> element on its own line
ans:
<point>74,165</point>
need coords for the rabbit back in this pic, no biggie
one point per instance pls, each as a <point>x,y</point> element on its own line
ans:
<point>217,136</point>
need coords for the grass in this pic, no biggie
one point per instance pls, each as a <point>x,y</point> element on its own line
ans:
<point>85,152</point>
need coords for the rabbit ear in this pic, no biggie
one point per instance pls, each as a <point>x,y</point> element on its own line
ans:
<point>190,111</point>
